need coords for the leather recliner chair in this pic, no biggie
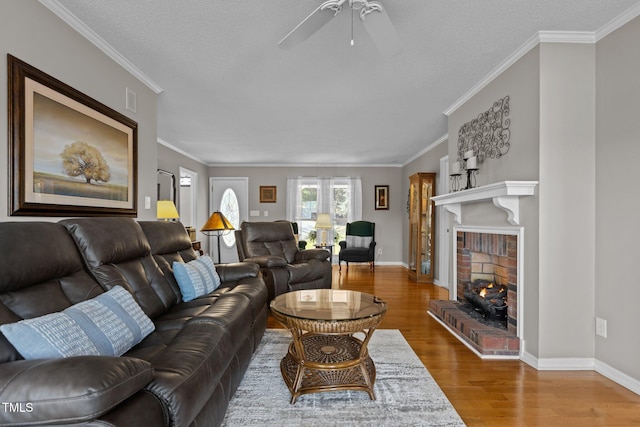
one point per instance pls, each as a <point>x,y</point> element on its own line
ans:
<point>285,268</point>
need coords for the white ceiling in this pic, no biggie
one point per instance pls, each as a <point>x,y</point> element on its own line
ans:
<point>230,96</point>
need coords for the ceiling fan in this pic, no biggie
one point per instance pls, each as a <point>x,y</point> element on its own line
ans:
<point>372,15</point>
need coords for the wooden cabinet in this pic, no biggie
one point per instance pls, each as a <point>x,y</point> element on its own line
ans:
<point>421,226</point>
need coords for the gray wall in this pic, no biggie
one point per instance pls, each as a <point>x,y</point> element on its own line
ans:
<point>171,161</point>
<point>32,33</point>
<point>617,152</point>
<point>388,222</point>
<point>521,83</point>
<point>567,204</point>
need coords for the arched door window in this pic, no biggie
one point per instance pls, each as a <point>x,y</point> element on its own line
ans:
<point>229,208</point>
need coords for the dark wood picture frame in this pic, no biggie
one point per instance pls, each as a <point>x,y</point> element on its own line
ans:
<point>53,130</point>
<point>382,197</point>
<point>268,194</point>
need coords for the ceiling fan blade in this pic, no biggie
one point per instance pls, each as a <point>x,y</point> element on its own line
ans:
<point>309,26</point>
<point>381,31</point>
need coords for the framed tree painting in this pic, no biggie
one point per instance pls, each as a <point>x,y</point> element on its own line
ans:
<point>70,154</point>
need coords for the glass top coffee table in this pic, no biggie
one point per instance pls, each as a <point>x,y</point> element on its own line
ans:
<point>325,354</point>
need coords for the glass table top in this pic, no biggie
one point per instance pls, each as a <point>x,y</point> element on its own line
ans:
<point>328,304</point>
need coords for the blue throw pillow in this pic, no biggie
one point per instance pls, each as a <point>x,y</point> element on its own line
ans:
<point>107,325</point>
<point>196,278</point>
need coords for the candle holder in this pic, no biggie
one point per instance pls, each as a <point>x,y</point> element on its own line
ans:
<point>454,179</point>
<point>471,178</point>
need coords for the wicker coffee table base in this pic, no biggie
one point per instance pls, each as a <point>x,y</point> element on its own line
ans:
<point>326,356</point>
<point>331,363</point>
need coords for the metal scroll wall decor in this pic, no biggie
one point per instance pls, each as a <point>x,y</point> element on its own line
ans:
<point>488,135</point>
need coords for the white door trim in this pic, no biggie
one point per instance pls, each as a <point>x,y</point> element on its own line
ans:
<point>444,236</point>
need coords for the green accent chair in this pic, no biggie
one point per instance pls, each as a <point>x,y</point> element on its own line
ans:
<point>359,244</point>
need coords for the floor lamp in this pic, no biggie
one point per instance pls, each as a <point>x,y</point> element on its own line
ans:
<point>217,224</point>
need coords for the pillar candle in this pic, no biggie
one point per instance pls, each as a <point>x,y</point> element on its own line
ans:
<point>455,168</point>
<point>472,163</point>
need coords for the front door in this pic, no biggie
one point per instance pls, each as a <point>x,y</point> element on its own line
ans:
<point>231,197</point>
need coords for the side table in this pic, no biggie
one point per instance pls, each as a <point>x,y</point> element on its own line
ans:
<point>327,247</point>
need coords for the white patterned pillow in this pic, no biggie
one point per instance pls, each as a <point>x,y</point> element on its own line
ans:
<point>359,241</point>
<point>107,325</point>
<point>196,278</point>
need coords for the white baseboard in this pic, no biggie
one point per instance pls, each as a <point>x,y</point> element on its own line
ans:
<point>566,364</point>
<point>582,364</point>
<point>617,376</point>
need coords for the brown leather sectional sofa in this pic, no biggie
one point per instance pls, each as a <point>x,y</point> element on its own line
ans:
<point>182,374</point>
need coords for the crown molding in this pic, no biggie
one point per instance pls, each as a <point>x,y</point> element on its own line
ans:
<point>566,37</point>
<point>180,151</point>
<point>618,22</point>
<point>70,19</point>
<point>533,41</point>
<point>429,147</point>
<point>304,165</point>
<point>547,37</point>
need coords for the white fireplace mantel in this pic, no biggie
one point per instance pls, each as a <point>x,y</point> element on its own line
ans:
<point>505,195</point>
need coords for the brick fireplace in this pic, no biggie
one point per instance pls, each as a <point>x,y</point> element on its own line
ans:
<point>491,256</point>
<point>487,253</point>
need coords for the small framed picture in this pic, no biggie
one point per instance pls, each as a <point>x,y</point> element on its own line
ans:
<point>382,197</point>
<point>268,194</point>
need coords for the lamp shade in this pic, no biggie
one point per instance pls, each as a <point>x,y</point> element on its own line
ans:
<point>166,210</point>
<point>217,222</point>
<point>323,221</point>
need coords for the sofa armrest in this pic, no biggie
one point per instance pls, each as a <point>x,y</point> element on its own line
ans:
<point>237,271</point>
<point>320,254</point>
<point>343,244</point>
<point>68,390</point>
<point>267,261</point>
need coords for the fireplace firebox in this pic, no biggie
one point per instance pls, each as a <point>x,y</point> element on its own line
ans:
<point>488,299</point>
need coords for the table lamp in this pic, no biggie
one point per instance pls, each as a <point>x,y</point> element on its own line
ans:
<point>323,222</point>
<point>166,210</point>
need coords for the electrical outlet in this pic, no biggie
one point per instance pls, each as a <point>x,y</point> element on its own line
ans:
<point>601,327</point>
<point>379,251</point>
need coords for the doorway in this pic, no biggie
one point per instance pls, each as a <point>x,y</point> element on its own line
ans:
<point>188,197</point>
<point>231,197</point>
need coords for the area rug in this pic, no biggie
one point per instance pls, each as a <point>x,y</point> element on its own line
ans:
<point>406,394</point>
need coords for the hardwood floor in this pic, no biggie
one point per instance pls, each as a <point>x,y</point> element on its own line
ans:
<point>488,393</point>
